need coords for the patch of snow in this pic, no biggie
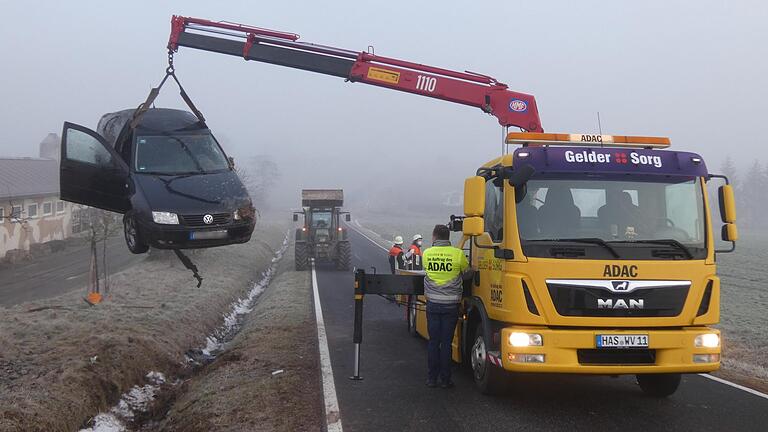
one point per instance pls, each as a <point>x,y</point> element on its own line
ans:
<point>215,341</point>
<point>105,423</point>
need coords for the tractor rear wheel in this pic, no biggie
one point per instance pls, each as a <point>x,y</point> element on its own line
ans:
<point>343,256</point>
<point>301,256</point>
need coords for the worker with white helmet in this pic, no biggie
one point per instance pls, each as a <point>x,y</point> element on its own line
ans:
<point>396,255</point>
<point>413,256</point>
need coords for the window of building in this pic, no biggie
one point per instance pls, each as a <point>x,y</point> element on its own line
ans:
<point>16,212</point>
<point>2,214</point>
<point>59,206</point>
<point>47,209</point>
<point>32,211</point>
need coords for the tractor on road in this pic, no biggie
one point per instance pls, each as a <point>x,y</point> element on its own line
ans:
<point>322,237</point>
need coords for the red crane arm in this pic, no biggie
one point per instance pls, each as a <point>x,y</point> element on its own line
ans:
<point>281,48</point>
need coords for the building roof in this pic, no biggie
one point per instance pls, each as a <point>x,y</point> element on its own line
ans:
<point>27,177</point>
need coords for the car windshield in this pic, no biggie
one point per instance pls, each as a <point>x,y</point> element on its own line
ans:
<point>622,219</point>
<point>179,154</point>
<point>321,220</point>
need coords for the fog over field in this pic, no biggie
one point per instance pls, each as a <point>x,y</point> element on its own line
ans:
<point>689,70</point>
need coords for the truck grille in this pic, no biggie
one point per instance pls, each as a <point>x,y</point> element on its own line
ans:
<point>196,220</point>
<point>616,356</point>
<point>596,301</point>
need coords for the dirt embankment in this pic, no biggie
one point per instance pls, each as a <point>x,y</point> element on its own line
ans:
<point>268,379</point>
<point>60,366</point>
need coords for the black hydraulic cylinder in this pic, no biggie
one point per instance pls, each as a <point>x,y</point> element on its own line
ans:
<point>357,335</point>
<point>313,62</point>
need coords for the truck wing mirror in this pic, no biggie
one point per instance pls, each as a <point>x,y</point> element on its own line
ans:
<point>520,176</point>
<point>730,233</point>
<point>348,217</point>
<point>727,204</point>
<point>295,217</point>
<point>474,196</point>
<point>473,226</point>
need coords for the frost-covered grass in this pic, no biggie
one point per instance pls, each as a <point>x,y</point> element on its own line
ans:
<point>64,365</point>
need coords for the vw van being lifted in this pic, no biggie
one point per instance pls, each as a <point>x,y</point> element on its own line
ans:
<point>166,174</point>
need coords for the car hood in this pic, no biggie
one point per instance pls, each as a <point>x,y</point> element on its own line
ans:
<point>192,194</point>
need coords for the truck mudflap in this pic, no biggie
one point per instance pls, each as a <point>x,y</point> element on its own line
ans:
<point>403,284</point>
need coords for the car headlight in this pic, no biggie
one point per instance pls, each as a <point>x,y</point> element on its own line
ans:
<point>165,218</point>
<point>707,340</point>
<point>520,339</point>
<point>245,212</point>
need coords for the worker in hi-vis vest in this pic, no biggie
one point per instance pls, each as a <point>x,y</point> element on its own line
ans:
<point>446,267</point>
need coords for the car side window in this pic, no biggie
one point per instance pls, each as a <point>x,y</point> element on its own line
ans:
<point>82,147</point>
<point>494,209</point>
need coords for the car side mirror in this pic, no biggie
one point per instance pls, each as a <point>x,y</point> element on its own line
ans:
<point>231,161</point>
<point>295,217</point>
<point>348,217</point>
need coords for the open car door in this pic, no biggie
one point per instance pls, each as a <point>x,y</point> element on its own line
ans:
<point>91,172</point>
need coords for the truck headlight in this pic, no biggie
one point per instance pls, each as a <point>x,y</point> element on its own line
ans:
<point>520,339</point>
<point>165,218</point>
<point>707,340</point>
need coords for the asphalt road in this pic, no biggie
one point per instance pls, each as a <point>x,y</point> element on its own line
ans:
<point>60,272</point>
<point>393,395</point>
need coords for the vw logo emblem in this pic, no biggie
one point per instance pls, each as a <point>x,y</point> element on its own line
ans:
<point>208,219</point>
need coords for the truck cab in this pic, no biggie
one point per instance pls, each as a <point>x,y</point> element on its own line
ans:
<point>594,254</point>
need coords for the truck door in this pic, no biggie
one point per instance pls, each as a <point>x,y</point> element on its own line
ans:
<point>489,266</point>
<point>91,172</point>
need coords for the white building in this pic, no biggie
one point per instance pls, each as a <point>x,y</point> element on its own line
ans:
<point>30,209</point>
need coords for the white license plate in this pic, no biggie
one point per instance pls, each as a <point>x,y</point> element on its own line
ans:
<point>207,235</point>
<point>622,341</point>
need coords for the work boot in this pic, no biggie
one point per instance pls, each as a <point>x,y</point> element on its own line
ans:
<point>431,383</point>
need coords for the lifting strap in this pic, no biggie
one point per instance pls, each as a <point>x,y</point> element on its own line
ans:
<point>190,265</point>
<point>169,72</point>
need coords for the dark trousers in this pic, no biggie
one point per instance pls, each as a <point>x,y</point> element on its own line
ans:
<point>441,324</point>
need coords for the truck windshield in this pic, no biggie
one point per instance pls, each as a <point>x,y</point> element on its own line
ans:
<point>602,218</point>
<point>321,220</point>
<point>179,154</point>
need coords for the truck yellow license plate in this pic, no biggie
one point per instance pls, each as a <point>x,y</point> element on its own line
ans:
<point>622,341</point>
<point>207,235</point>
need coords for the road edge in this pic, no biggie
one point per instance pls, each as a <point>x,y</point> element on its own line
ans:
<point>332,412</point>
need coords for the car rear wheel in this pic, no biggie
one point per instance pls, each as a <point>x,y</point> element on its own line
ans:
<point>133,238</point>
<point>659,385</point>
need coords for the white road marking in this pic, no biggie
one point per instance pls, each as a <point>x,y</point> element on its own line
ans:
<point>369,239</point>
<point>713,378</point>
<point>734,385</point>
<point>332,413</point>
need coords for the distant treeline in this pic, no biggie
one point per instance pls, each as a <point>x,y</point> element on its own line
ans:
<point>751,187</point>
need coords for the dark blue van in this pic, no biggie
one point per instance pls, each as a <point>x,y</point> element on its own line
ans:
<point>166,174</point>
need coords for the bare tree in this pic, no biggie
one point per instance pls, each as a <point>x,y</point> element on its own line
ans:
<point>102,225</point>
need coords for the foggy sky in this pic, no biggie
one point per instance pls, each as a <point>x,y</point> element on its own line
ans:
<point>696,71</point>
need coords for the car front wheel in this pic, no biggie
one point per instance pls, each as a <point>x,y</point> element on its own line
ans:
<point>133,238</point>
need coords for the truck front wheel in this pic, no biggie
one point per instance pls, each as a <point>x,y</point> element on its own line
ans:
<point>489,379</point>
<point>659,385</point>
